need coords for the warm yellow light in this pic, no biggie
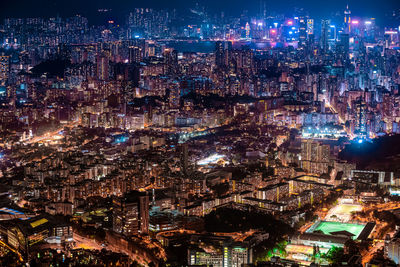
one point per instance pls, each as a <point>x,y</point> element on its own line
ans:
<point>38,222</point>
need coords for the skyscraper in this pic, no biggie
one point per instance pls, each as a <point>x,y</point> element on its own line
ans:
<point>392,249</point>
<point>185,158</point>
<point>131,213</point>
<point>347,20</point>
<point>263,10</point>
<point>135,54</point>
<point>171,61</point>
<point>247,28</point>
<point>361,118</point>
<point>102,63</point>
<point>302,31</point>
<point>310,26</point>
<point>4,69</point>
<point>314,156</point>
<point>222,53</point>
<point>325,33</point>
<point>345,43</point>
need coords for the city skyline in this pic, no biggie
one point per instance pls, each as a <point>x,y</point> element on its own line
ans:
<point>370,8</point>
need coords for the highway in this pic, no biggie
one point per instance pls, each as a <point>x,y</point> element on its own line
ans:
<point>53,135</point>
<point>90,244</point>
<point>13,250</point>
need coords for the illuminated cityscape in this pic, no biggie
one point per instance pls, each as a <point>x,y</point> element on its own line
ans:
<point>218,133</point>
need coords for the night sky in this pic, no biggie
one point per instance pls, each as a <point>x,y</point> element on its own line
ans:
<point>316,8</point>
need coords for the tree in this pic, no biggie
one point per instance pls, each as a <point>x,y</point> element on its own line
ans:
<point>334,255</point>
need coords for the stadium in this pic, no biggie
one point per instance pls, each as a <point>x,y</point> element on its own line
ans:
<point>351,230</point>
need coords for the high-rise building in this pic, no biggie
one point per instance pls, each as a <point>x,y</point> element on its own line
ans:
<point>185,158</point>
<point>247,29</point>
<point>345,45</point>
<point>392,249</point>
<point>347,20</point>
<point>302,31</point>
<point>315,156</point>
<point>361,118</point>
<point>103,63</point>
<point>222,53</point>
<point>4,69</point>
<point>171,61</point>
<point>242,59</point>
<point>332,33</point>
<point>131,213</point>
<point>325,33</point>
<point>147,22</point>
<point>314,151</point>
<point>227,256</point>
<point>135,54</point>
<point>310,26</point>
<point>263,10</point>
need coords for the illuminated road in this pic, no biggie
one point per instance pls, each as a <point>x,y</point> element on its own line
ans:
<point>86,243</point>
<point>341,120</point>
<point>368,255</point>
<point>237,236</point>
<point>380,229</point>
<point>172,232</point>
<point>13,250</point>
<point>305,227</point>
<point>379,207</point>
<point>142,258</point>
<point>51,136</point>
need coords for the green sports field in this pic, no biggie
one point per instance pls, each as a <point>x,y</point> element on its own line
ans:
<point>329,227</point>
